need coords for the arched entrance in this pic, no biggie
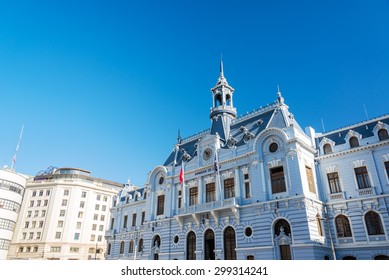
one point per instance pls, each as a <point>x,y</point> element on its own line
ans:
<point>191,246</point>
<point>209,245</point>
<point>229,244</point>
<point>282,239</point>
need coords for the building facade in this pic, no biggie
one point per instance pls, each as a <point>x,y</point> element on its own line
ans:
<point>64,215</point>
<point>260,187</point>
<point>12,186</point>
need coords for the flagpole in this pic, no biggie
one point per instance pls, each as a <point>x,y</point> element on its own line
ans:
<point>17,149</point>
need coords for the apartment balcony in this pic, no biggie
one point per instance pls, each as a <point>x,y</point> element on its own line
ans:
<point>213,208</point>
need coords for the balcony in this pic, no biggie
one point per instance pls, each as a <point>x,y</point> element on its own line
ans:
<point>339,195</point>
<point>110,233</point>
<point>367,191</point>
<point>213,207</point>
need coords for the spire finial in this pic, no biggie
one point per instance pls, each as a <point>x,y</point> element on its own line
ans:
<point>178,137</point>
<point>221,66</point>
<point>280,98</point>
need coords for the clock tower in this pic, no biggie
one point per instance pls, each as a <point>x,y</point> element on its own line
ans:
<point>222,111</point>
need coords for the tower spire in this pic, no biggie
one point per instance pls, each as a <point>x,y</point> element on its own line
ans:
<point>221,67</point>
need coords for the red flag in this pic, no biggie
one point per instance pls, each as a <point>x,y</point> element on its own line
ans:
<point>182,173</point>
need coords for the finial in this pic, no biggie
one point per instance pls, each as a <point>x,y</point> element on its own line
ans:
<point>221,66</point>
<point>178,137</point>
<point>279,98</point>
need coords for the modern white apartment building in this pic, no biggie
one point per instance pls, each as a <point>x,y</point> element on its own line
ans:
<point>12,186</point>
<point>64,216</point>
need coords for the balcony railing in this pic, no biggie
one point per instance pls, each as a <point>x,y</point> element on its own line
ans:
<point>208,206</point>
<point>339,195</point>
<point>366,191</point>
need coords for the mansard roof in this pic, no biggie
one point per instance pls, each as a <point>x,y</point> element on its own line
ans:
<point>242,129</point>
<point>364,129</point>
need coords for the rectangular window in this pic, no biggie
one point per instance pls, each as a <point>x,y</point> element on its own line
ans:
<point>247,188</point>
<point>38,235</point>
<point>362,177</point>
<point>40,224</point>
<point>179,199</point>
<point>62,213</point>
<point>60,224</point>
<point>47,192</point>
<point>112,223</point>
<point>66,192</point>
<point>160,204</point>
<point>82,204</point>
<point>143,217</point>
<point>98,197</point>
<point>125,221</point>
<point>36,213</point>
<point>41,193</point>
<point>103,208</point>
<point>83,194</point>
<point>101,227</point>
<point>387,168</point>
<point>43,214</point>
<point>80,214</point>
<point>311,183</point>
<point>193,195</point>
<point>229,188</point>
<point>333,182</point>
<point>78,226</point>
<point>94,227</point>
<point>277,179</point>
<point>55,249</point>
<point>45,202</point>
<point>29,214</point>
<point>210,192</point>
<point>58,235</point>
<point>32,203</point>
<point>134,219</point>
<point>38,203</point>
<point>64,202</point>
<point>77,236</point>
<point>102,218</point>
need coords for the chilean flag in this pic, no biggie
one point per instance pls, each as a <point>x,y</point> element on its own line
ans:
<point>182,173</point>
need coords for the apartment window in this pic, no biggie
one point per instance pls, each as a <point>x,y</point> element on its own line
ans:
<point>26,224</point>
<point>193,194</point>
<point>78,225</point>
<point>94,227</point>
<point>92,237</point>
<point>36,213</point>
<point>97,207</point>
<point>32,203</point>
<point>82,204</point>
<point>353,142</point>
<point>41,193</point>
<point>131,247</point>
<point>40,224</point>
<point>95,217</point>
<point>29,214</point>
<point>112,223</point>
<point>58,235</point>
<point>34,193</point>
<point>38,203</point>
<point>327,149</point>
<point>43,213</point>
<point>98,197</point>
<point>101,227</point>
<point>373,223</point>
<point>45,202</point>
<point>66,192</point>
<point>105,198</point>
<point>55,249</point>
<point>229,188</point>
<point>33,224</point>
<point>62,213</point>
<point>24,236</point>
<point>103,208</point>
<point>74,249</point>
<point>277,179</point>
<point>77,236</point>
<point>143,217</point>
<point>160,204</point>
<point>125,221</point>
<point>134,219</point>
<point>64,202</point>
<point>333,182</point>
<point>102,218</point>
<point>343,228</point>
<point>383,134</point>
<point>121,247</point>
<point>311,183</point>
<point>99,238</point>
<point>83,194</point>
<point>247,188</point>
<point>80,215</point>
<point>60,224</point>
<point>47,192</point>
<point>362,177</point>
<point>210,192</point>
<point>38,235</point>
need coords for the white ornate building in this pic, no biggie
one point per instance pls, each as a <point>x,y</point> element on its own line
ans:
<point>64,215</point>
<point>260,187</point>
<point>12,186</point>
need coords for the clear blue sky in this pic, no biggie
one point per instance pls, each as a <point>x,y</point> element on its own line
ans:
<point>105,85</point>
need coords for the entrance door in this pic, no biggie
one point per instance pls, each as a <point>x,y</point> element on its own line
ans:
<point>209,245</point>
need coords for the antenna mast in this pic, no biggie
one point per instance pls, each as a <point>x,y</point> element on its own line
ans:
<point>17,148</point>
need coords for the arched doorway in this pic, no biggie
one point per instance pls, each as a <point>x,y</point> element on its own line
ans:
<point>283,239</point>
<point>209,245</point>
<point>155,247</point>
<point>229,244</point>
<point>191,246</point>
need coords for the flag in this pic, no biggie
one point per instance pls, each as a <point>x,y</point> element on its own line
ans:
<point>182,172</point>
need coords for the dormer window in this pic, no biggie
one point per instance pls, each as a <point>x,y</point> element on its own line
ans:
<point>327,149</point>
<point>353,141</point>
<point>383,134</point>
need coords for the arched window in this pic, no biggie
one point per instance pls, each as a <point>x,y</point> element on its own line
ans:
<point>122,247</point>
<point>381,257</point>
<point>209,245</point>
<point>191,246</point>
<point>327,149</point>
<point>229,244</point>
<point>131,247</point>
<point>353,142</point>
<point>349,258</point>
<point>109,249</point>
<point>383,134</point>
<point>373,223</point>
<point>282,224</point>
<point>156,247</point>
<point>140,245</point>
<point>343,228</point>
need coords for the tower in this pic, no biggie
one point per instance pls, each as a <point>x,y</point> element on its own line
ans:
<point>222,111</point>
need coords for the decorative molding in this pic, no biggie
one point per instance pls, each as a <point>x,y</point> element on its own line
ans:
<point>332,169</point>
<point>274,163</point>
<point>358,163</point>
